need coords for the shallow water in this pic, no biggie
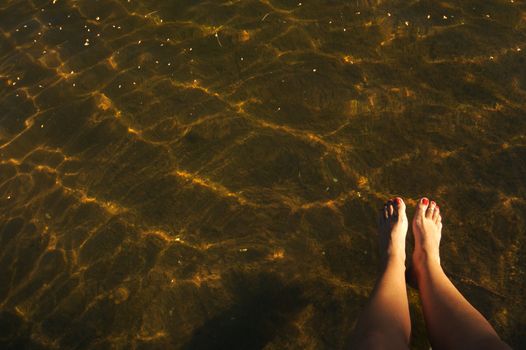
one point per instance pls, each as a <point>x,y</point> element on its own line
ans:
<point>206,174</point>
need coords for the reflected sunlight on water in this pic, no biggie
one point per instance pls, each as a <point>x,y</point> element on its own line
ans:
<point>204,174</point>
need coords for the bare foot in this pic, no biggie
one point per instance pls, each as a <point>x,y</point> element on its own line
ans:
<point>427,229</point>
<point>393,230</point>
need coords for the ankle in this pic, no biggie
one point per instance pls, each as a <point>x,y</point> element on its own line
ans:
<point>424,262</point>
<point>394,260</point>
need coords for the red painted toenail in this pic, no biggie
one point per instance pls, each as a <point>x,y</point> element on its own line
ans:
<point>399,200</point>
<point>425,201</point>
<point>433,202</point>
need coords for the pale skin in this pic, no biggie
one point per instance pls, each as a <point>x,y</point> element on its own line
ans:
<point>452,323</point>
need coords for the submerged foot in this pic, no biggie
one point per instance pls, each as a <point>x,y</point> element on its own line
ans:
<point>393,230</point>
<point>427,229</point>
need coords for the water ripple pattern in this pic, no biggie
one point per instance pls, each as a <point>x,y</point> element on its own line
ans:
<point>206,174</point>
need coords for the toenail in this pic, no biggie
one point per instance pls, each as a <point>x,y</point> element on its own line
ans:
<point>399,200</point>
<point>425,201</point>
<point>433,203</point>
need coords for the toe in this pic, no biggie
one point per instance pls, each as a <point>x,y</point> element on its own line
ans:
<point>436,213</point>
<point>390,208</point>
<point>400,205</point>
<point>430,210</point>
<point>422,206</point>
<point>385,212</point>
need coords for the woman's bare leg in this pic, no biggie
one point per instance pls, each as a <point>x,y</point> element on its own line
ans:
<point>385,323</point>
<point>451,321</point>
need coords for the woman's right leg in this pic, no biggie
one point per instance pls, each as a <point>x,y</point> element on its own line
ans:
<point>451,321</point>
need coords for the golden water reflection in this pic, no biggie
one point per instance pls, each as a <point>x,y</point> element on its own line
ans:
<point>206,174</point>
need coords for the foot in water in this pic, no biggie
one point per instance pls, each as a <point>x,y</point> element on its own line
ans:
<point>427,230</point>
<point>393,230</point>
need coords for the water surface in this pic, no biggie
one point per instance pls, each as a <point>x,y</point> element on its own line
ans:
<point>206,174</point>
